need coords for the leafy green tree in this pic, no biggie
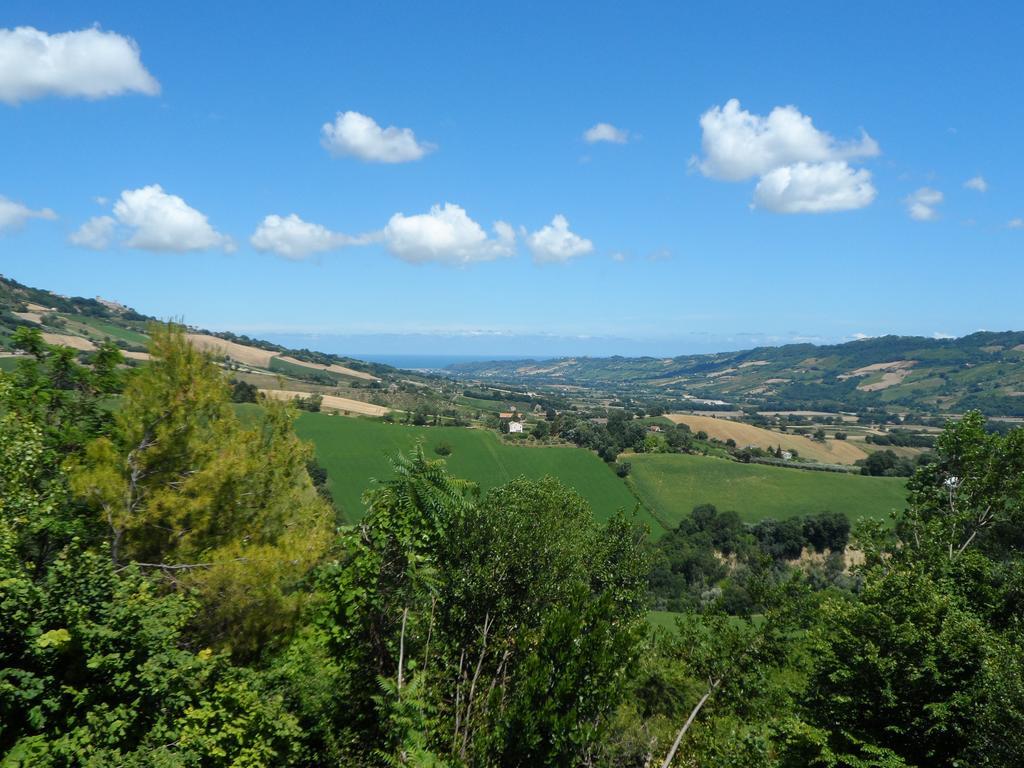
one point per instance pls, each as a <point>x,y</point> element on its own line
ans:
<point>187,490</point>
<point>926,664</point>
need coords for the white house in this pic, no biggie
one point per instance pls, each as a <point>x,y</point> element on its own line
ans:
<point>515,426</point>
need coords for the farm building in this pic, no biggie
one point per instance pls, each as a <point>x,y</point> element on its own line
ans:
<point>515,426</point>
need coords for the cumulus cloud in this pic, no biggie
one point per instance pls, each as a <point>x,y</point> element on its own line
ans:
<point>801,169</point>
<point>95,234</point>
<point>358,135</point>
<point>814,188</point>
<point>446,235</point>
<point>14,215</point>
<point>555,242</point>
<point>89,63</point>
<point>605,132</point>
<point>154,221</point>
<point>921,204</point>
<point>977,183</point>
<point>293,238</point>
<point>1015,223</point>
<point>740,145</point>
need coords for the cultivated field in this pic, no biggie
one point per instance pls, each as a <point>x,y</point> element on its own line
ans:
<point>355,450</point>
<point>331,402</point>
<point>673,484</point>
<point>340,369</point>
<point>829,452</point>
<point>238,352</point>
<point>64,340</point>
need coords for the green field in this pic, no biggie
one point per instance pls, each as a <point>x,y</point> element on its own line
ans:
<point>671,485</point>
<point>355,450</point>
<point>8,363</point>
<point>103,328</point>
<point>302,372</point>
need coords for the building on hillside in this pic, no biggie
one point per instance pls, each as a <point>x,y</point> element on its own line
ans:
<point>515,426</point>
<point>654,428</point>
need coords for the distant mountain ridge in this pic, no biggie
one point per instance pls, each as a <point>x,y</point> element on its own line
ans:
<point>984,370</point>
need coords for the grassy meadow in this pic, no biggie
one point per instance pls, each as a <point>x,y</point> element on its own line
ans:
<point>355,450</point>
<point>671,485</point>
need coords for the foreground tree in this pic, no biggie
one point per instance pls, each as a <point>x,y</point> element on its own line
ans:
<point>187,490</point>
<point>927,666</point>
<point>499,629</point>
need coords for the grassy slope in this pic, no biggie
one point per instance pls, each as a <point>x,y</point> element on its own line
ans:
<point>101,328</point>
<point>673,484</point>
<point>355,450</point>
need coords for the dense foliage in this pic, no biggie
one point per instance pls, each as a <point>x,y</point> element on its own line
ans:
<point>175,591</point>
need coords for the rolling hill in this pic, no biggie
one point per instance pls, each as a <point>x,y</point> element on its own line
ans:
<point>984,370</point>
<point>82,323</point>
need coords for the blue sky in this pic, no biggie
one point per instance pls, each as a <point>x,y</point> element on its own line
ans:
<point>844,212</point>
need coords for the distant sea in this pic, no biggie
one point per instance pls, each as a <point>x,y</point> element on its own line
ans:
<point>432,362</point>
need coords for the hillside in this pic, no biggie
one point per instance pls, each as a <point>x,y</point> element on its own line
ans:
<point>984,370</point>
<point>344,383</point>
<point>82,323</point>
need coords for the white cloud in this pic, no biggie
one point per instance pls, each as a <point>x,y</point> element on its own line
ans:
<point>14,215</point>
<point>446,235</point>
<point>619,256</point>
<point>89,63</point>
<point>921,204</point>
<point>293,238</point>
<point>556,243</point>
<point>801,169</point>
<point>977,183</point>
<point>1015,223</point>
<point>95,234</point>
<point>605,132</point>
<point>814,188</point>
<point>942,335</point>
<point>163,222</point>
<point>739,145</point>
<point>356,134</point>
<point>860,336</point>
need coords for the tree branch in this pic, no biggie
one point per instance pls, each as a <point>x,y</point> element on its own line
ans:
<point>689,722</point>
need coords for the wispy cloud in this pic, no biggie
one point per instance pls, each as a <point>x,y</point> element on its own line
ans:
<point>921,204</point>
<point>605,132</point>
